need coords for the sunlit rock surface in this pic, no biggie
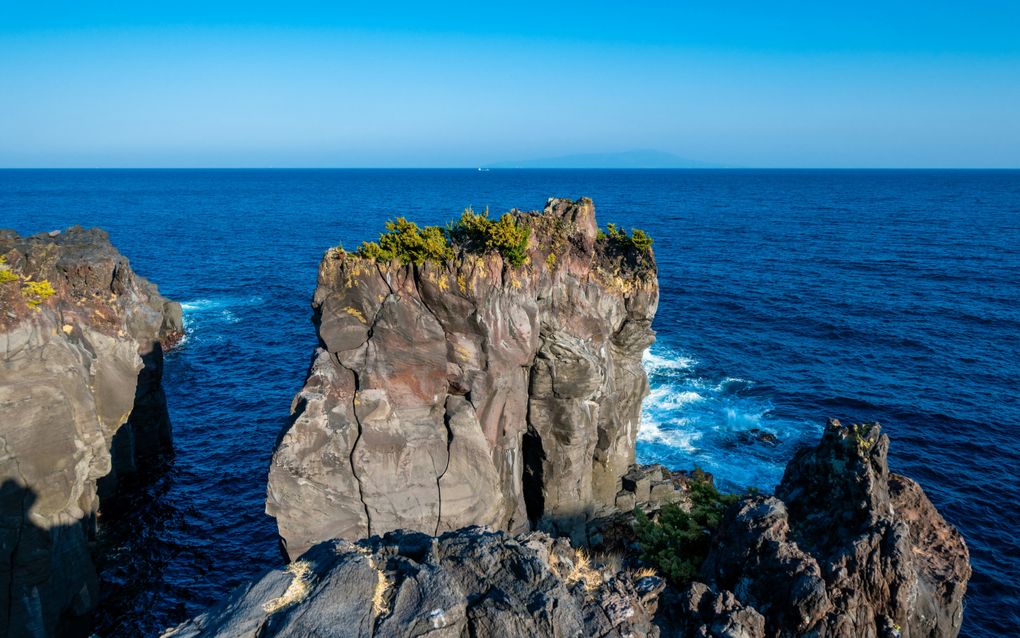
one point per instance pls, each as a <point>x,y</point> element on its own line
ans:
<point>470,392</point>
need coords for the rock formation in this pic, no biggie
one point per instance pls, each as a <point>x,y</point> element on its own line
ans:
<point>81,340</point>
<point>470,391</point>
<point>845,549</point>
<point>472,582</point>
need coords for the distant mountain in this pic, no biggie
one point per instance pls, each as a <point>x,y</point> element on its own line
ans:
<point>626,159</point>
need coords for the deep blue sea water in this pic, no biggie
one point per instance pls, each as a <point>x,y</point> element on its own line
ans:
<point>787,297</point>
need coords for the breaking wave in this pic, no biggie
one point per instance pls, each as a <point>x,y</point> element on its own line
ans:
<point>721,425</point>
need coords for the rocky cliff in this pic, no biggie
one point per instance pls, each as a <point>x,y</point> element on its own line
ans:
<point>490,387</point>
<point>845,549</point>
<point>472,582</point>
<point>81,343</point>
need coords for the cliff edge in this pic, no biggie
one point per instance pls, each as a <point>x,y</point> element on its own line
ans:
<point>489,374</point>
<point>81,359</point>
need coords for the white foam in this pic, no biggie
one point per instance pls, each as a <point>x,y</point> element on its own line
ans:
<point>196,305</point>
<point>666,398</point>
<point>691,420</point>
<point>222,304</point>
<point>675,437</point>
<point>665,362</point>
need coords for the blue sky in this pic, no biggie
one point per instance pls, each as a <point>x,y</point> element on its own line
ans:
<point>893,84</point>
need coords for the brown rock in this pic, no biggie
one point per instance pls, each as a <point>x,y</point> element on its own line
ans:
<point>469,392</point>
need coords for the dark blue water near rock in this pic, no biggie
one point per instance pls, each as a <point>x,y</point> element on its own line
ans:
<point>787,296</point>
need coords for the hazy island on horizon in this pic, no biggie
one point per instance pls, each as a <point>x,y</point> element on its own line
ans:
<point>625,159</point>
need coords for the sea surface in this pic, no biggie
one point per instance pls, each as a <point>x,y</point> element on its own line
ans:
<point>787,297</point>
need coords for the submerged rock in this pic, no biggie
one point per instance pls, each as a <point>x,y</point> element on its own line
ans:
<point>470,391</point>
<point>844,549</point>
<point>757,435</point>
<point>472,582</point>
<point>81,403</point>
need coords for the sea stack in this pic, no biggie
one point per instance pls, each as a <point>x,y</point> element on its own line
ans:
<point>485,383</point>
<point>81,360</point>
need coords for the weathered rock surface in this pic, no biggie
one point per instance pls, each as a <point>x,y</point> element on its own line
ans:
<point>704,613</point>
<point>472,582</point>
<point>470,392</point>
<point>844,549</point>
<point>80,402</point>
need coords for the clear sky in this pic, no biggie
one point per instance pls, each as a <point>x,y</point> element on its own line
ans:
<point>292,83</point>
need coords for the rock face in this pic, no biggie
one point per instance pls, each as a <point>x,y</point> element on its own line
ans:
<point>80,403</point>
<point>469,392</point>
<point>845,549</point>
<point>472,582</point>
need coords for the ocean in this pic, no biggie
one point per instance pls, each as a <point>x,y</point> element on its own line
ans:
<point>787,296</point>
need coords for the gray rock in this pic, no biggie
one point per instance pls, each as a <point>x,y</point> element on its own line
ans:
<point>469,392</point>
<point>662,492</point>
<point>625,501</point>
<point>639,483</point>
<point>845,548</point>
<point>81,403</point>
<point>471,582</point>
<point>708,614</point>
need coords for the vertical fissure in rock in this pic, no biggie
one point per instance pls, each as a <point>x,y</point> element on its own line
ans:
<point>533,489</point>
<point>382,276</point>
<point>439,477</point>
<point>357,421</point>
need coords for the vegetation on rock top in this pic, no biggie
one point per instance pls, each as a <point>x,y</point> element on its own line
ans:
<point>507,235</point>
<point>637,240</point>
<point>405,241</point>
<point>677,542</point>
<point>475,232</point>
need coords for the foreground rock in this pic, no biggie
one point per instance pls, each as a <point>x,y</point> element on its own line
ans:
<point>471,391</point>
<point>472,582</point>
<point>845,549</point>
<point>81,403</point>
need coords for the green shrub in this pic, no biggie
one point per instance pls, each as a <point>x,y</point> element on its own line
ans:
<point>477,232</point>
<point>474,232</point>
<point>637,240</point>
<point>677,542</point>
<point>640,239</point>
<point>410,244</point>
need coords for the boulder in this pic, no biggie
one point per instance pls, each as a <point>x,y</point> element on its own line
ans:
<point>470,391</point>
<point>81,403</point>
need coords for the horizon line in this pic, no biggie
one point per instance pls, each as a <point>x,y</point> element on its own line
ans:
<point>484,169</point>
